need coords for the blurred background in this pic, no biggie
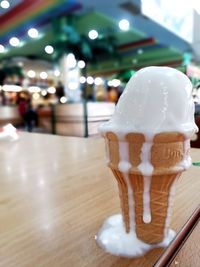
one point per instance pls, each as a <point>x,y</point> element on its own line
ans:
<point>64,63</point>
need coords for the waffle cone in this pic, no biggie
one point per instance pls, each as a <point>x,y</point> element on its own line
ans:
<point>166,152</point>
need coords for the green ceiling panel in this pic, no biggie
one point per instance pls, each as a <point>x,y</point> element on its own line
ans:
<point>105,26</point>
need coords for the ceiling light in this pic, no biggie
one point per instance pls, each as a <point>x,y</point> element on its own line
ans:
<point>49,49</point>
<point>43,75</point>
<point>5,4</point>
<point>57,73</point>
<point>34,89</point>
<point>33,33</point>
<point>31,74</point>
<point>11,88</point>
<point>14,41</point>
<point>44,92</point>
<point>140,51</point>
<point>63,100</point>
<point>93,34</point>
<point>124,25</point>
<point>73,85</point>
<point>36,96</point>
<point>51,90</point>
<point>98,81</point>
<point>81,64</point>
<point>116,82</point>
<point>110,83</point>
<point>82,79</point>
<point>71,60</point>
<point>20,64</point>
<point>90,80</point>
<point>2,48</point>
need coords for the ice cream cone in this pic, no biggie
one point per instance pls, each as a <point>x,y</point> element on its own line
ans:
<point>167,151</point>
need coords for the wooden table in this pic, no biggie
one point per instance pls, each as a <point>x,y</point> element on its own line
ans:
<point>55,192</point>
<point>184,256</point>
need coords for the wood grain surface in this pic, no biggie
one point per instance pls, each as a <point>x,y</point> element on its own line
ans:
<point>189,254</point>
<point>55,193</point>
<point>171,251</point>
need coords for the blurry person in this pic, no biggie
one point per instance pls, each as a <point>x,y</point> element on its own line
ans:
<point>30,116</point>
<point>112,94</point>
<point>22,107</point>
<point>60,90</point>
<point>120,90</point>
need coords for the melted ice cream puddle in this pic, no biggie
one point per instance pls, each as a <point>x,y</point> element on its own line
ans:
<point>113,238</point>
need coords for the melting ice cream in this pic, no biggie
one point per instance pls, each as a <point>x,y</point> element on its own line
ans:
<point>156,100</point>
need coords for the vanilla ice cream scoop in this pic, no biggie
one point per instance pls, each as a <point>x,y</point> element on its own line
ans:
<point>156,99</point>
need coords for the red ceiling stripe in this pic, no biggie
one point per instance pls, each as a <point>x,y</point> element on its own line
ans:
<point>15,12</point>
<point>25,13</point>
<point>143,42</point>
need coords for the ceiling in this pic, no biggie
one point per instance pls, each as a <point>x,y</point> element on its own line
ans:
<point>146,43</point>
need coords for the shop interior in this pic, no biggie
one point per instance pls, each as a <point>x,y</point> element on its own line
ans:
<point>69,61</point>
<point>99,140</point>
